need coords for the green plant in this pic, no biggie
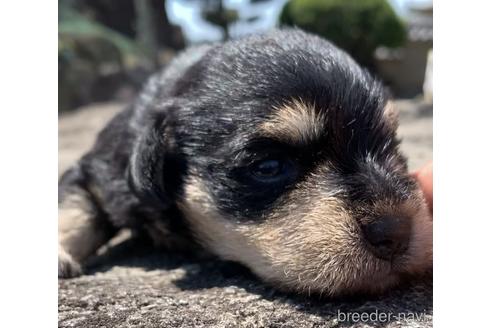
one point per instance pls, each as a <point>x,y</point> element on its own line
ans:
<point>87,50</point>
<point>358,26</point>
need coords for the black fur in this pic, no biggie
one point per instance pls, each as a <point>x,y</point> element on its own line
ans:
<point>198,115</point>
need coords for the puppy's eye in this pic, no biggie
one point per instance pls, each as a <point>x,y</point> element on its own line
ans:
<point>272,170</point>
<point>267,169</point>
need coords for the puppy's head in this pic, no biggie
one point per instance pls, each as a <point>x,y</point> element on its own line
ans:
<point>281,154</point>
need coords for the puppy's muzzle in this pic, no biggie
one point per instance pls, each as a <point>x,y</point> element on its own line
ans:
<point>387,236</point>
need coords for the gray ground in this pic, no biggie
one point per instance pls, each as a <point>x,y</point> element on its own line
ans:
<point>130,285</point>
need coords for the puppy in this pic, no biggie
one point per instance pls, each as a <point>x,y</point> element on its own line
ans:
<point>276,151</point>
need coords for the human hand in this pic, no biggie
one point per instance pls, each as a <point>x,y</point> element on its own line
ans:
<point>424,178</point>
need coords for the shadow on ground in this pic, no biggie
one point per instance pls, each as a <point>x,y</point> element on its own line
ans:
<point>132,284</point>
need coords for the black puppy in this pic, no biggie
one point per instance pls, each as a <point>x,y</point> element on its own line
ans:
<point>276,151</point>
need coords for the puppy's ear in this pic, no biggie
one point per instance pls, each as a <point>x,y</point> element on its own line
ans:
<point>156,167</point>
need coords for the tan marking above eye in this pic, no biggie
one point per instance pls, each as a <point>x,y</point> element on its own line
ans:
<point>295,122</point>
<point>391,114</point>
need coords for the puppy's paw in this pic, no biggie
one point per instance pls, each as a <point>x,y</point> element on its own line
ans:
<point>67,266</point>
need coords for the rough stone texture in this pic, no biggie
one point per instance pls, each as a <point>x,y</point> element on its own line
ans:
<point>131,285</point>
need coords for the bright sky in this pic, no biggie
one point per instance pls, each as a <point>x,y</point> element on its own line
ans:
<point>186,13</point>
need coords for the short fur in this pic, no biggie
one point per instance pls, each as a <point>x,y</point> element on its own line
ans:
<point>177,165</point>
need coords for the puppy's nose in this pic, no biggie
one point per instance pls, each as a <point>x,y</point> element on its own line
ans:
<point>387,236</point>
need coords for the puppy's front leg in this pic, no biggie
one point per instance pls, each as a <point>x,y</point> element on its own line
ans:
<point>82,228</point>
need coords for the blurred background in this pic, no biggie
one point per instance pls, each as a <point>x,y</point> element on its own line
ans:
<point>107,48</point>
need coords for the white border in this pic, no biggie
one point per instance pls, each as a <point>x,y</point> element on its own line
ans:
<point>28,164</point>
<point>462,163</point>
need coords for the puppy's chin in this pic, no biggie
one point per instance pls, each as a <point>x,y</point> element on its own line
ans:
<point>313,251</point>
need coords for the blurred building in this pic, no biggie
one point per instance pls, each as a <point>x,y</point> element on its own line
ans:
<point>404,69</point>
<point>253,16</point>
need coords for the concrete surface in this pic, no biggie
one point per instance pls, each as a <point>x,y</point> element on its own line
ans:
<point>132,285</point>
